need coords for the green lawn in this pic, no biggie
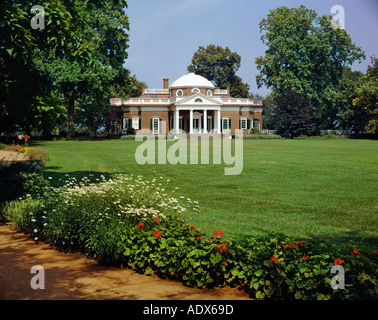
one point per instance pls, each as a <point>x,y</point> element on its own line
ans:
<point>303,187</point>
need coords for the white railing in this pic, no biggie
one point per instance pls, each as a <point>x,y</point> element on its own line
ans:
<point>220,91</point>
<point>166,101</point>
<point>151,91</point>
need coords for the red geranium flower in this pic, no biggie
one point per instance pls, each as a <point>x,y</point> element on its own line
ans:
<point>376,251</point>
<point>305,257</point>
<point>355,251</point>
<point>198,238</point>
<point>218,233</point>
<point>339,261</point>
<point>273,259</point>
<point>299,243</point>
<point>222,248</point>
<point>192,228</point>
<point>157,220</point>
<point>157,234</point>
<point>140,224</point>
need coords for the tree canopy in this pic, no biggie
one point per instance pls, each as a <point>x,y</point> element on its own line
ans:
<point>220,65</point>
<point>305,53</point>
<point>66,68</point>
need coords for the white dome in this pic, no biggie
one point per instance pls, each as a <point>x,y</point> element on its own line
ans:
<point>191,80</point>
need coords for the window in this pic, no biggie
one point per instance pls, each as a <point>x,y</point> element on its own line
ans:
<point>256,123</point>
<point>243,123</point>
<point>135,123</point>
<point>155,125</point>
<point>195,90</point>
<point>179,93</point>
<point>225,124</point>
<point>198,100</point>
<point>209,93</point>
<point>154,96</point>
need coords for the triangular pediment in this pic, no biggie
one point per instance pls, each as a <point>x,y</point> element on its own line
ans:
<point>198,99</point>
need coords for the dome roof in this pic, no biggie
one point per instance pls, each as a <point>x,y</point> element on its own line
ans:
<point>191,80</point>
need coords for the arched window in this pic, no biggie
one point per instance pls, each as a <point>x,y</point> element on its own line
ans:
<point>179,93</point>
<point>198,100</point>
<point>195,90</point>
<point>209,93</point>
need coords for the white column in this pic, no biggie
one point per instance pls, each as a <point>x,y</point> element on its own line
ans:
<point>191,121</point>
<point>205,121</point>
<point>176,119</point>
<point>219,128</point>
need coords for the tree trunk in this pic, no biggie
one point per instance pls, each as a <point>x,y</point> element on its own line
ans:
<point>71,118</point>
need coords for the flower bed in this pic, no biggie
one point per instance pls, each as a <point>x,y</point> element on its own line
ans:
<point>138,223</point>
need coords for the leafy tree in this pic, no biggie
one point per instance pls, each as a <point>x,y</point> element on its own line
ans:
<point>307,55</point>
<point>219,65</point>
<point>347,117</point>
<point>126,86</point>
<point>366,101</point>
<point>86,88</point>
<point>268,112</point>
<point>23,78</point>
<point>292,115</point>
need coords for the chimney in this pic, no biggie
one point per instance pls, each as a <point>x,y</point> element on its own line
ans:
<point>166,80</point>
<point>142,91</point>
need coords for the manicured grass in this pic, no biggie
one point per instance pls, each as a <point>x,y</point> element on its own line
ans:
<point>302,187</point>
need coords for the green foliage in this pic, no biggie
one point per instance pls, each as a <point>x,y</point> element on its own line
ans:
<point>131,130</point>
<point>293,116</point>
<point>219,65</point>
<point>23,78</point>
<point>37,154</point>
<point>255,131</point>
<point>366,100</point>
<point>14,175</point>
<point>305,54</point>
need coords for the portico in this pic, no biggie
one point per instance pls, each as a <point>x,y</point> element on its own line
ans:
<point>199,107</point>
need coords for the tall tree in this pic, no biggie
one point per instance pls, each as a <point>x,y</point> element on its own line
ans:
<point>219,65</point>
<point>85,88</point>
<point>305,54</point>
<point>292,115</point>
<point>23,78</point>
<point>366,101</point>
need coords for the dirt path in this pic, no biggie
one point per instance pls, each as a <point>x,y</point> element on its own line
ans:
<point>72,277</point>
<point>12,155</point>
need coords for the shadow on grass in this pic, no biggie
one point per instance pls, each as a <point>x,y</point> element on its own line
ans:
<point>355,239</point>
<point>57,179</point>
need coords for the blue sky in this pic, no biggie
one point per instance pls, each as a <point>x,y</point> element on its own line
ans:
<point>164,34</point>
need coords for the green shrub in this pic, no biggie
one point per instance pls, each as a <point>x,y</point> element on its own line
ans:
<point>12,177</point>
<point>255,131</point>
<point>3,146</point>
<point>37,154</point>
<point>19,214</point>
<point>130,131</point>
